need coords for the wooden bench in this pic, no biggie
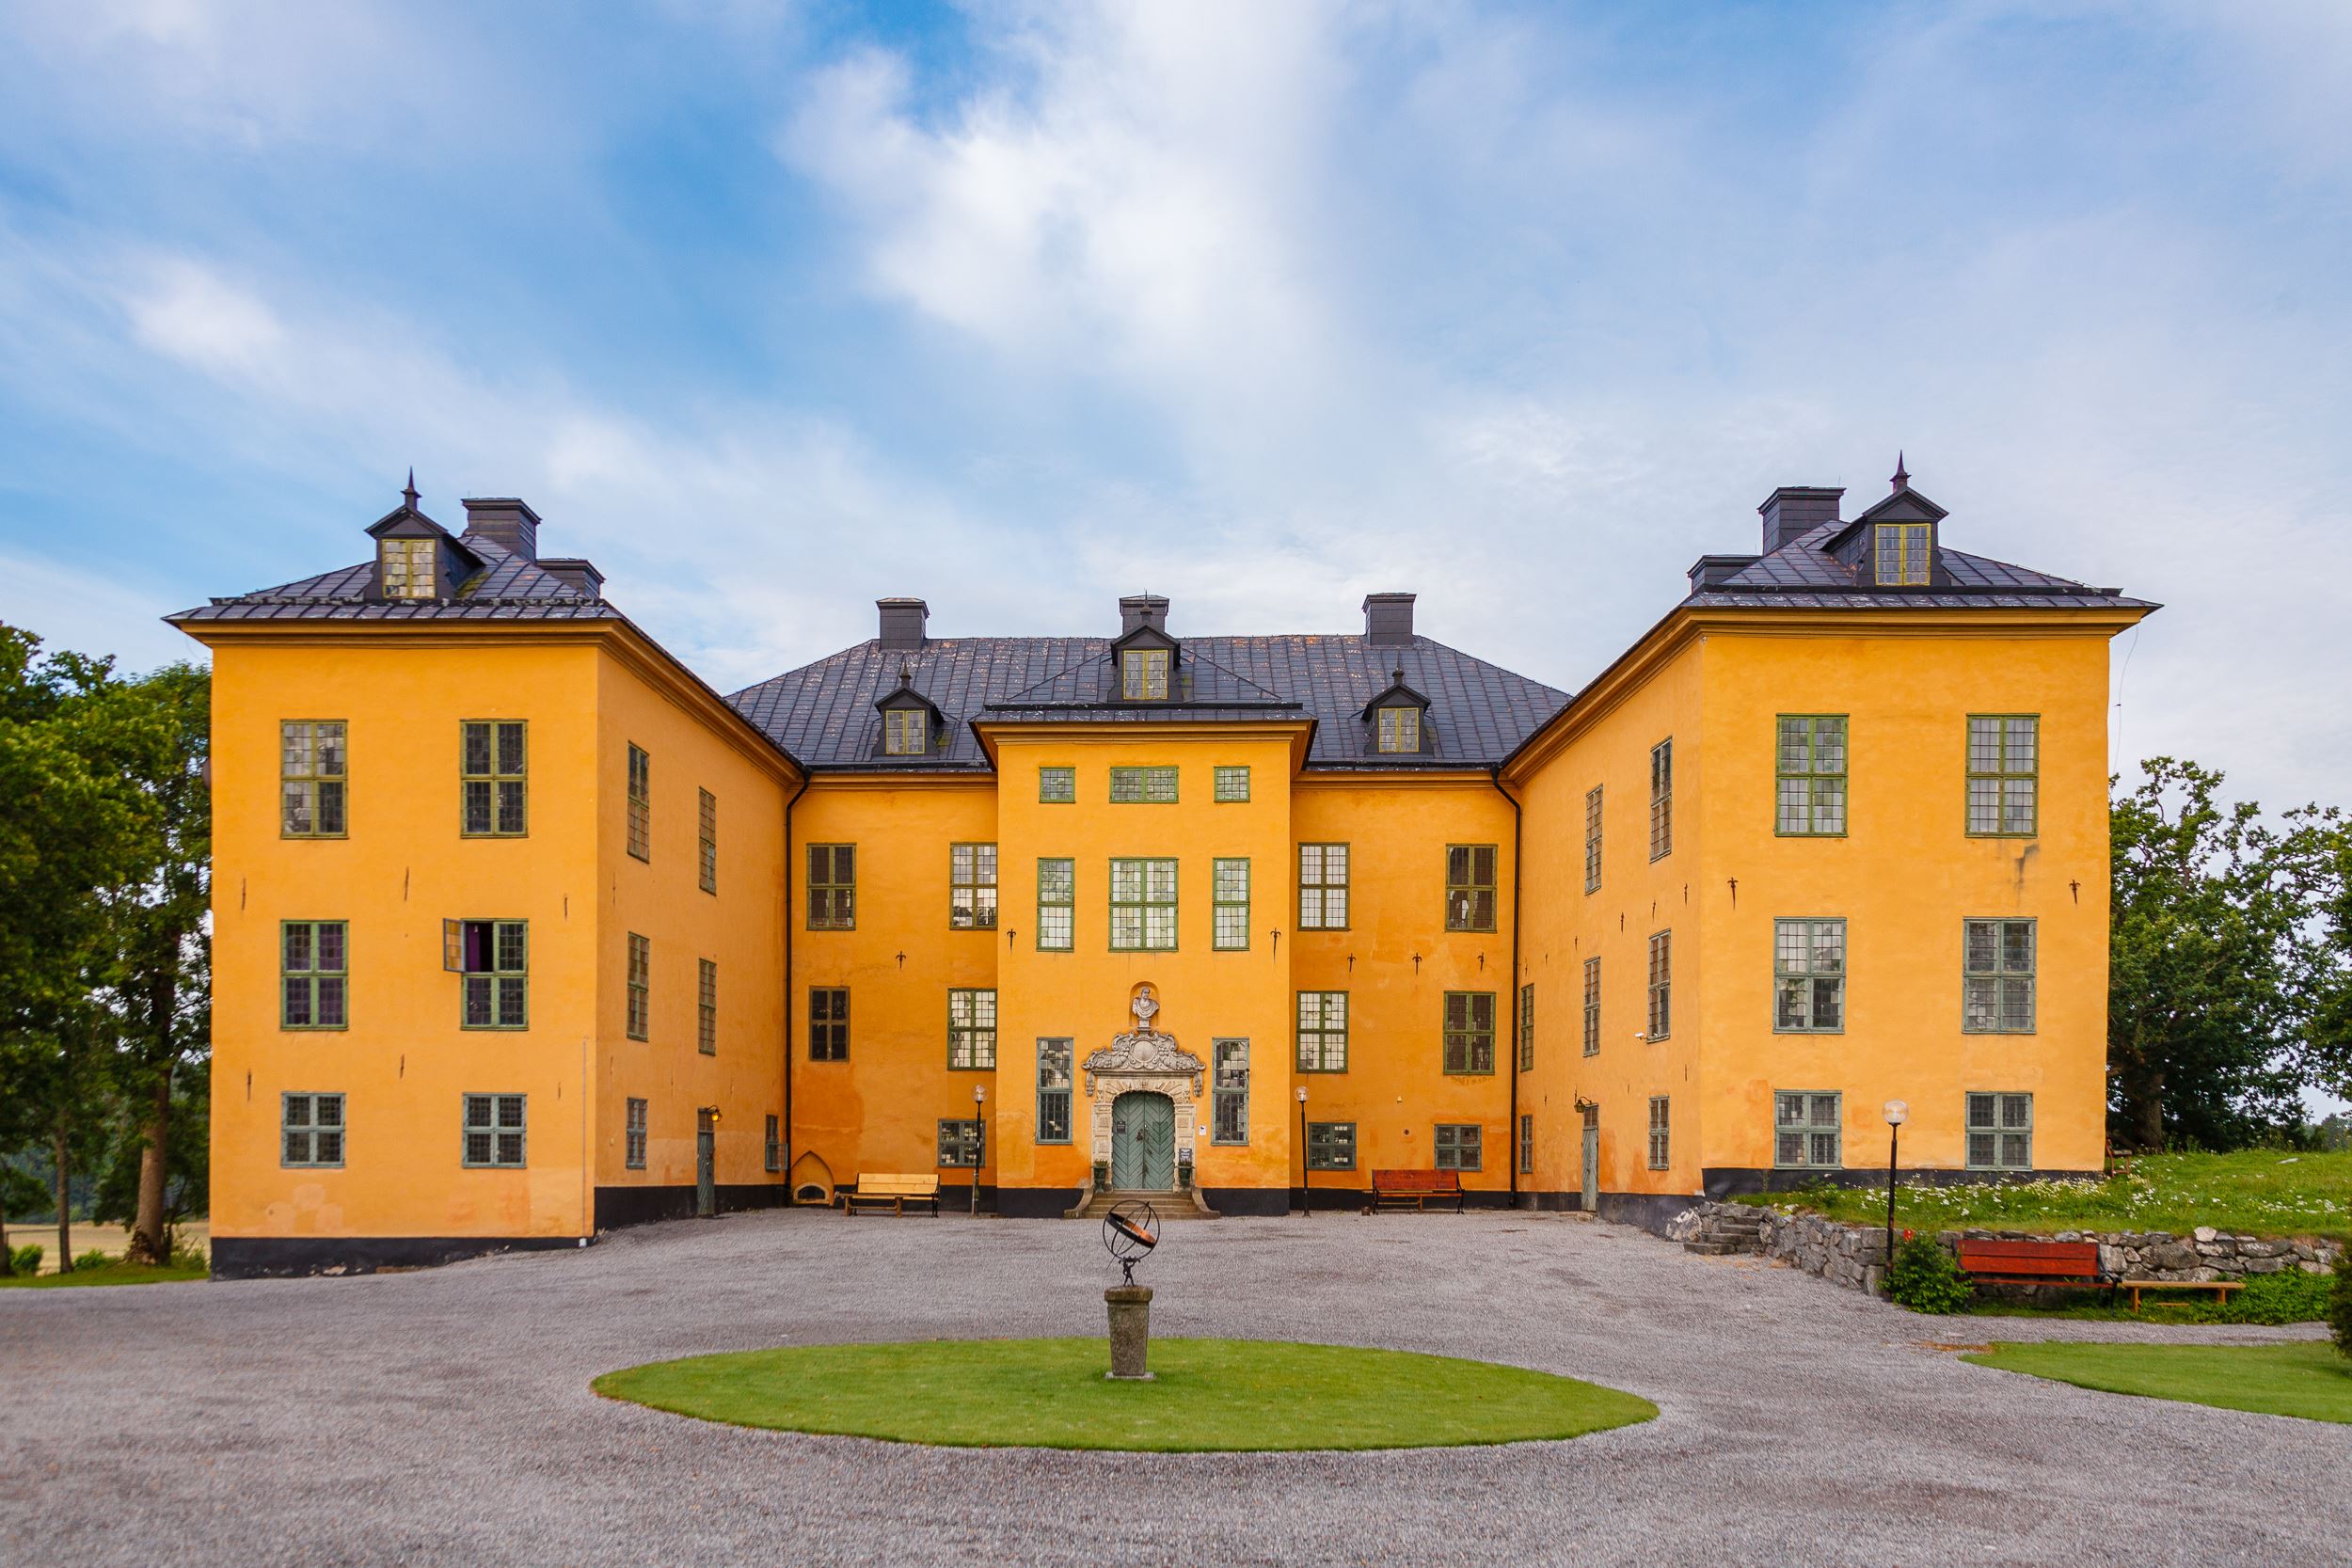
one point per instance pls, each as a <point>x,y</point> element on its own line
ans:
<point>891,1191</point>
<point>2219,1287</point>
<point>2035,1263</point>
<point>1394,1189</point>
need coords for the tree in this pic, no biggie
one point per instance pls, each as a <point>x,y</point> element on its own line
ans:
<point>2219,975</point>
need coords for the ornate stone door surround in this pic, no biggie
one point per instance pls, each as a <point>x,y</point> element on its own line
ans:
<point>1143,1058</point>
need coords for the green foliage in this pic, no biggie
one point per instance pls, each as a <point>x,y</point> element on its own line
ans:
<point>1925,1277</point>
<point>93,1259</point>
<point>2340,1303</point>
<point>110,1270</point>
<point>2230,965</point>
<point>25,1260</point>
<point>2289,1296</point>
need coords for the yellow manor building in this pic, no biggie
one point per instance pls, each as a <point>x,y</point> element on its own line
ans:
<point>522,932</point>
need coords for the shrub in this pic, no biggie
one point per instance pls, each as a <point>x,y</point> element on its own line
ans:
<point>25,1260</point>
<point>2289,1296</point>
<point>94,1259</point>
<point>1926,1280</point>
<point>2340,1303</point>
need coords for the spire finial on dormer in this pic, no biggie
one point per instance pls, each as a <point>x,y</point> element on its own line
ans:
<point>1396,677</point>
<point>408,491</point>
<point>906,675</point>
<point>1901,479</point>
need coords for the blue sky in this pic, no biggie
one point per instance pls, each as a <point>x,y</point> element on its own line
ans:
<point>774,310</point>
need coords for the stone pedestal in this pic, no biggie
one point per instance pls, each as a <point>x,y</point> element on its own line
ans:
<point>1131,1331</point>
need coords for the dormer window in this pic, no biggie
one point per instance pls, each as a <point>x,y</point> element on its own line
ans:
<point>906,731</point>
<point>1903,551</point>
<point>1143,675</point>
<point>1397,719</point>
<point>1400,729</point>
<point>408,568</point>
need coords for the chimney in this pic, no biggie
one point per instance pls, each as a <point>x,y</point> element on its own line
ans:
<point>1388,617</point>
<point>1713,571</point>
<point>580,575</point>
<point>1142,609</point>
<point>1795,508</point>
<point>504,522</point>
<point>902,622</point>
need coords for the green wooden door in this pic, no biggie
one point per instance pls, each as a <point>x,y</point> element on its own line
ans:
<point>1143,1142</point>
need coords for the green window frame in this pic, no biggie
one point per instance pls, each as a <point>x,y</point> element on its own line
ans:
<point>493,778</point>
<point>310,1131</point>
<point>1661,981</point>
<point>639,802</point>
<point>828,1024</point>
<point>640,987</point>
<point>1323,1031</point>
<point>1809,1130</point>
<point>972,887</point>
<point>1229,905</point>
<point>706,838</point>
<point>494,1133</point>
<point>493,962</point>
<point>2004,774</point>
<point>1056,1058</point>
<point>314,778</point>
<point>315,975</point>
<point>1904,557</point>
<point>1331,1146</point>
<point>971,1029</point>
<point>1998,959</point>
<point>1143,675</point>
<point>1470,887</point>
<point>1469,1033</point>
<point>1459,1146</point>
<point>1592,839</point>
<point>1809,976</point>
<point>775,1145</point>
<point>1143,786</point>
<point>1810,761</point>
<point>1323,887</point>
<point>1527,1143</point>
<point>1143,906</point>
<point>1230,784</point>
<point>1661,1132</point>
<point>633,1137</point>
<point>833,887</point>
<point>407,568</point>
<point>1229,1091</point>
<point>1661,799</point>
<point>1057,904</point>
<point>707,1007</point>
<point>1400,728</point>
<point>1527,1027</point>
<point>1057,786</point>
<point>1591,1007</point>
<point>1999,1132</point>
<point>959,1144</point>
<point>906,731</point>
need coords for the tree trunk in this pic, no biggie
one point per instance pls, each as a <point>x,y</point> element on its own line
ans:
<point>8,1263</point>
<point>148,1244</point>
<point>2146,1103</point>
<point>65,1214</point>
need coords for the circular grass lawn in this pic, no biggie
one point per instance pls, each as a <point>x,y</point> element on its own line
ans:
<point>1206,1395</point>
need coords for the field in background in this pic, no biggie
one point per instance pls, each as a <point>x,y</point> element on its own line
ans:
<point>108,1239</point>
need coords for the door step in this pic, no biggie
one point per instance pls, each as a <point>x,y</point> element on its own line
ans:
<point>1168,1206</point>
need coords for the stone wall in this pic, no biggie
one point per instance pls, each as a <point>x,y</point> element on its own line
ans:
<point>1853,1256</point>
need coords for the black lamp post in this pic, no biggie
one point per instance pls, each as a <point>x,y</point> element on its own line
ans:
<point>1897,1113</point>
<point>1306,1159</point>
<point>980,1144</point>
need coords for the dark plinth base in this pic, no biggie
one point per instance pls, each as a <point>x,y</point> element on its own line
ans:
<point>1131,1332</point>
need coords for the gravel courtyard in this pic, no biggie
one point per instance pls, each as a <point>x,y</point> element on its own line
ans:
<point>444,1418</point>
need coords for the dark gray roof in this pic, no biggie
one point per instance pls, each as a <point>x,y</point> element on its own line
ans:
<point>823,713</point>
<point>1810,573</point>
<point>507,588</point>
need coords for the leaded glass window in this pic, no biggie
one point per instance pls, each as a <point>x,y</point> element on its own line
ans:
<point>707,1007</point>
<point>1143,675</point>
<point>312,766</point>
<point>1143,906</point>
<point>707,839</point>
<point>2000,1132</point>
<point>1662,979</point>
<point>828,1024</point>
<point>1527,1027</point>
<point>1997,977</point>
<point>408,568</point>
<point>1057,905</point>
<point>633,1137</point>
<point>1591,1007</point>
<point>1811,767</point>
<point>1400,728</point>
<point>1808,1131</point>
<point>495,965</point>
<point>1323,1031</point>
<point>776,1144</point>
<point>1229,905</point>
<point>1053,1061</point>
<point>492,778</point>
<point>971,1029</point>
<point>311,1129</point>
<point>315,975</point>
<point>1809,976</point>
<point>1470,887</point>
<point>1331,1146</point>
<point>1527,1144</point>
<point>639,804</point>
<point>1592,839</point>
<point>1057,786</point>
<point>1662,800</point>
<point>906,731</point>
<point>832,887</point>
<point>1232,785</point>
<point>1457,1146</point>
<point>1660,1132</point>
<point>1229,1092</point>
<point>1323,887</point>
<point>1143,786</point>
<point>640,987</point>
<point>2004,773</point>
<point>494,1130</point>
<point>959,1145</point>
<point>972,887</point>
<point>1469,1031</point>
<point>1904,556</point>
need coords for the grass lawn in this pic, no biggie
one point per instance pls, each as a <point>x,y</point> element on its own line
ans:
<point>2308,1379</point>
<point>111,1274</point>
<point>1207,1395</point>
<point>2255,1192</point>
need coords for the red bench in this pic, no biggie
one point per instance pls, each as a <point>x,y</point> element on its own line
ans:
<point>2071,1263</point>
<point>1394,1189</point>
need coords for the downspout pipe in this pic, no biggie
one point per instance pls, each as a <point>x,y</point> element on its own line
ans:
<point>1511,1133</point>
<point>790,1142</point>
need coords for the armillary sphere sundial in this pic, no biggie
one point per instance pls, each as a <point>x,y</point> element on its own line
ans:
<point>1130,1231</point>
